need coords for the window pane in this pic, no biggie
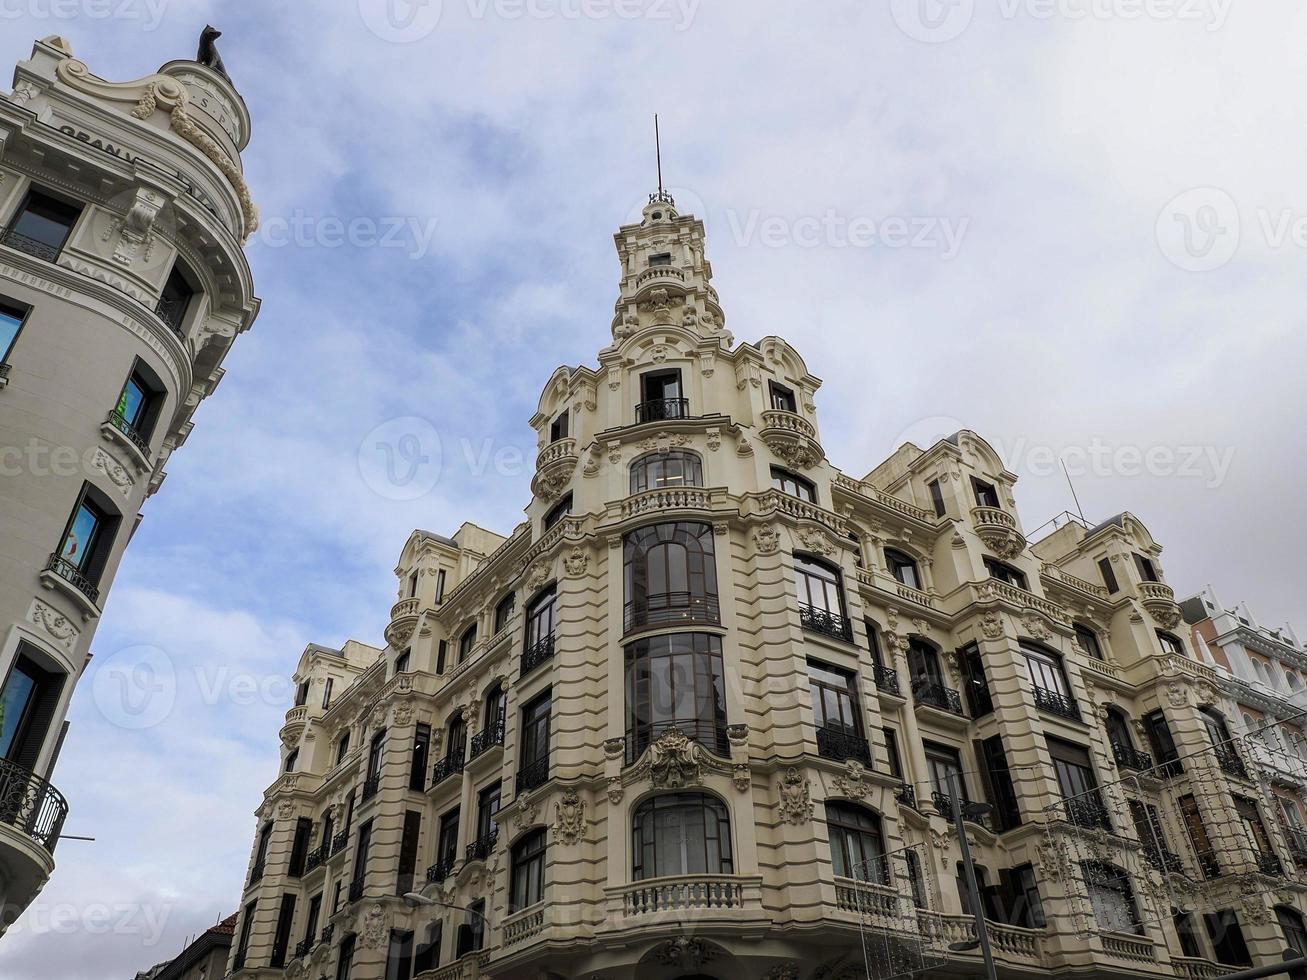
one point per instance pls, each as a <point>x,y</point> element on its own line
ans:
<point>9,324</point>
<point>77,545</point>
<point>14,701</point>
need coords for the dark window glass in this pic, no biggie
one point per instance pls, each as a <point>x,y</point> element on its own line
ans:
<point>681,834</point>
<point>346,961</point>
<point>139,402</point>
<point>676,468</point>
<point>660,386</point>
<point>903,568</point>
<point>292,760</point>
<point>45,220</point>
<point>857,848</point>
<point>466,641</point>
<point>793,484</point>
<point>975,684</point>
<point>456,738</point>
<point>361,852</point>
<point>1075,773</point>
<point>1020,904</point>
<point>1112,897</point>
<point>1109,576</point>
<point>342,747</point>
<point>376,751</point>
<point>944,765</point>
<point>311,920</point>
<point>11,324</point>
<point>527,885</point>
<point>440,586</point>
<point>834,698</point>
<point>936,497</point>
<point>487,811</point>
<point>819,585</point>
<point>997,779</point>
<point>1291,924</point>
<point>986,495</point>
<point>27,706</point>
<point>1161,742</point>
<point>1147,570</point>
<point>326,692</point>
<point>892,753</point>
<point>1187,931</point>
<point>175,298</point>
<point>447,841</point>
<point>299,849</point>
<point>427,956</point>
<point>401,663</point>
<point>417,772</point>
<point>504,612</point>
<point>475,926</point>
<point>540,616</point>
<point>1118,729</point>
<point>1006,573</point>
<point>923,664</point>
<point>675,681</point>
<point>1227,938</point>
<point>399,955</point>
<point>442,651</point>
<point>408,851</point>
<point>558,511</point>
<point>535,730</point>
<point>558,429</point>
<point>247,921</point>
<point>281,938</point>
<point>1088,640</point>
<point>670,575</point>
<point>496,705</point>
<point>782,398</point>
<point>661,259</point>
<point>916,881</point>
<point>1046,671</point>
<point>1170,643</point>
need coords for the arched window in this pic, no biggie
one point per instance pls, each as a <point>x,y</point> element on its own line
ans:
<point>923,664</point>
<point>676,468</point>
<point>1118,729</point>
<point>671,575</point>
<point>857,848</point>
<point>456,739</point>
<point>1006,573</point>
<point>496,703</point>
<point>681,834</point>
<point>903,567</point>
<point>466,641</point>
<point>1291,924</point>
<point>504,612</point>
<point>1112,897</point>
<point>821,597</point>
<point>558,511</point>
<point>540,617</point>
<point>1087,637</point>
<point>1048,677</point>
<point>675,681</point>
<point>527,884</point>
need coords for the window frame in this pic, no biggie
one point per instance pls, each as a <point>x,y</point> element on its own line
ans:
<point>803,488</point>
<point>108,519</point>
<point>781,398</point>
<point>20,312</point>
<point>897,562</point>
<point>526,883</point>
<point>644,477</point>
<point>557,512</point>
<point>59,202</point>
<point>850,823</point>
<point>715,821</point>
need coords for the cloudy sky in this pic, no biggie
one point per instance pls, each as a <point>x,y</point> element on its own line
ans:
<point>1076,228</point>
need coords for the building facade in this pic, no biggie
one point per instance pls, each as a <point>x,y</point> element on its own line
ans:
<point>712,709</point>
<point>122,285</point>
<point>204,958</point>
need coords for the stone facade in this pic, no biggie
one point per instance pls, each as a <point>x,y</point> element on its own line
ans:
<point>717,684</point>
<point>122,285</point>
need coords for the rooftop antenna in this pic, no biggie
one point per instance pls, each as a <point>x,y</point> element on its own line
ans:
<point>1067,474</point>
<point>658,150</point>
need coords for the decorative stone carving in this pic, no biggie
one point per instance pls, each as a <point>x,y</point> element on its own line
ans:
<point>794,802</point>
<point>569,818</point>
<point>593,455</point>
<point>1035,626</point>
<point>737,734</point>
<point>991,624</point>
<point>674,761</point>
<point>1177,695</point>
<point>537,575</point>
<point>662,442</point>
<point>816,542</point>
<point>853,782</point>
<point>374,932</point>
<point>576,561</point>
<point>782,971</point>
<point>24,92</point>
<point>658,353</point>
<point>614,747</point>
<point>714,439</point>
<point>285,809</point>
<point>528,810</point>
<point>615,452</point>
<point>766,539</point>
<point>742,777</point>
<point>403,713</point>
<point>615,790</point>
<point>54,623</point>
<point>684,951</point>
<point>135,229</point>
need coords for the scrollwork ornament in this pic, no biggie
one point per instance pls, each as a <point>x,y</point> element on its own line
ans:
<point>794,801</point>
<point>569,818</point>
<point>766,539</point>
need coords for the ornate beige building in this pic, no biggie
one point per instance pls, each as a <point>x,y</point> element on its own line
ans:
<point>122,285</point>
<point>704,712</point>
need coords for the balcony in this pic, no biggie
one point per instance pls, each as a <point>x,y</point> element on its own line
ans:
<point>998,530</point>
<point>791,437</point>
<point>303,948</point>
<point>1297,844</point>
<point>256,873</point>
<point>327,931</point>
<point>1270,864</point>
<point>371,785</point>
<point>1012,944</point>
<point>711,735</point>
<point>533,774</point>
<point>403,617</point>
<point>68,572</point>
<point>450,765</point>
<point>936,695</point>
<point>662,410</point>
<point>32,246</point>
<point>839,744</point>
<point>977,813</point>
<point>442,869</point>
<point>356,889</point>
<point>487,738</point>
<point>172,310</point>
<point>31,805</point>
<point>1162,859</point>
<point>1088,812</point>
<point>1159,600</point>
<point>316,858</point>
<point>1056,704</point>
<point>671,609</point>
<point>554,467</point>
<point>824,621</point>
<point>128,432</point>
<point>907,795</point>
<point>867,898</point>
<point>481,848</point>
<point>887,680</point>
<point>537,653</point>
<point>1228,759</point>
<point>524,924</point>
<point>1128,757</point>
<point>688,892</point>
<point>339,842</point>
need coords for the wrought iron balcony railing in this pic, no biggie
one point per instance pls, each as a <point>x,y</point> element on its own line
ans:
<point>936,695</point>
<point>662,409</point>
<point>840,744</point>
<point>1129,757</point>
<point>907,795</point>
<point>450,765</point>
<point>1269,864</point>
<point>483,846</point>
<point>1088,811</point>
<point>304,947</point>
<point>371,785</point>
<point>442,869</point>
<point>1297,844</point>
<point>1230,763</point>
<point>710,734</point>
<point>979,700</point>
<point>339,841</point>
<point>356,889</point>
<point>537,653</point>
<point>1211,868</point>
<point>1057,704</point>
<point>32,246</point>
<point>71,574</point>
<point>533,774</point>
<point>976,813</point>
<point>327,931</point>
<point>825,622</point>
<point>1162,859</point>
<point>172,311</point>
<point>491,735</point>
<point>31,805</point>
<point>129,431</point>
<point>670,609</point>
<point>317,857</point>
<point>887,679</point>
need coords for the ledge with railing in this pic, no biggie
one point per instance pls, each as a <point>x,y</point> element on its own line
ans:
<point>483,846</point>
<point>826,622</point>
<point>1297,838</point>
<point>887,679</point>
<point>1270,864</point>
<point>976,813</point>
<point>936,695</point>
<point>1195,968</point>
<point>317,857</point>
<point>371,785</point>
<point>523,924</point>
<point>26,243</point>
<point>537,653</point>
<point>1163,859</point>
<point>1128,947</point>
<point>1010,943</point>
<point>442,869</point>
<point>533,774</point>
<point>172,311</point>
<point>1056,703</point>
<point>304,947</point>
<point>1230,763</point>
<point>356,889</point>
<point>840,744</point>
<point>487,738</point>
<point>256,873</point>
<point>674,895</point>
<point>327,931</point>
<point>450,765</point>
<point>671,609</point>
<point>907,795</point>
<point>662,410</point>
<point>710,734</point>
<point>1129,757</point>
<point>1088,811</point>
<point>129,432</point>
<point>339,842</point>
<point>31,805</point>
<point>867,898</point>
<point>71,574</point>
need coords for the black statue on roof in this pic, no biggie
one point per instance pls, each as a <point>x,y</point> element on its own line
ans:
<point>208,53</point>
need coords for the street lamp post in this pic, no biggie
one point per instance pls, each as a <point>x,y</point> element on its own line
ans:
<point>977,910</point>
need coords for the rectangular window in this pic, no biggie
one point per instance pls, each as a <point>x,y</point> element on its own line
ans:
<point>281,938</point>
<point>944,766</point>
<point>42,225</point>
<point>782,398</point>
<point>1162,744</point>
<point>27,706</point>
<point>1046,671</point>
<point>1079,786</point>
<point>975,684</point>
<point>487,810</point>
<point>660,259</point>
<point>793,484</point>
<point>243,944</point>
<point>175,298</point>
<point>440,586</point>
<point>408,851</point>
<point>892,753</point>
<point>442,649</point>
<point>376,752</point>
<point>1147,570</point>
<point>986,495</point>
<point>12,318</point>
<point>447,842</point>
<point>89,535</point>
<point>261,853</point>
<point>399,956</point>
<point>834,698</point>
<point>936,497</point>
<point>342,747</point>
<point>417,771</point>
<point>1007,574</point>
<point>558,511</point>
<point>997,780</point>
<point>301,693</point>
<point>139,404</point>
<point>361,854</point>
<point>1088,641</point>
<point>346,962</point>
<point>401,662</point>
<point>1187,932</point>
<point>427,956</point>
<point>326,693</point>
<point>558,429</point>
<point>311,922</point>
<point>1019,900</point>
<point>472,934</point>
<point>1198,839</point>
<point>299,849</point>
<point>1109,576</point>
<point>1228,944</point>
<point>1254,829</point>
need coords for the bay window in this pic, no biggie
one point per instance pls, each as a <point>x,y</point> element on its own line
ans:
<point>675,681</point>
<point>675,834</point>
<point>670,575</point>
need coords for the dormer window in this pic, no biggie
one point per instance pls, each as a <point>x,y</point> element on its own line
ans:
<point>1147,570</point>
<point>559,428</point>
<point>986,495</point>
<point>661,259</point>
<point>782,398</point>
